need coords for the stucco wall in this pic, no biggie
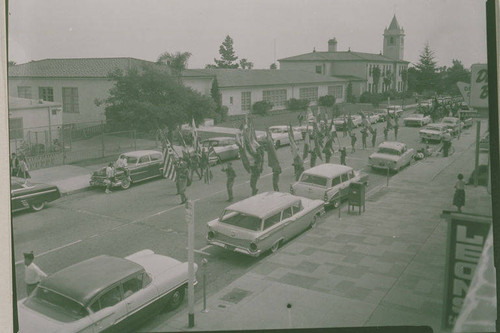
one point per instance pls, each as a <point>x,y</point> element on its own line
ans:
<point>88,91</point>
<point>309,66</point>
<point>201,85</point>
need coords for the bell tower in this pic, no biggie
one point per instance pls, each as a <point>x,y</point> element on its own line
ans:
<point>394,37</point>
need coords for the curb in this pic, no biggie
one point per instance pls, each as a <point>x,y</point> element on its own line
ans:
<point>78,190</point>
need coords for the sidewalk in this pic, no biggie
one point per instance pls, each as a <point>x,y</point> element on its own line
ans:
<point>385,267</point>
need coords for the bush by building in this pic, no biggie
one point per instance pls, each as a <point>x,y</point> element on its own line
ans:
<point>294,104</point>
<point>262,107</point>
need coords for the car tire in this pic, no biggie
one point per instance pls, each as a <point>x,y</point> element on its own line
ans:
<point>275,246</point>
<point>38,206</point>
<point>176,298</point>
<point>125,184</point>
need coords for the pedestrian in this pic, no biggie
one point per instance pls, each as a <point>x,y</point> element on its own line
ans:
<point>459,197</point>
<point>364,135</point>
<point>230,176</point>
<point>374,137</point>
<point>343,155</point>
<point>353,142</point>
<point>14,165</point>
<point>276,177</point>
<point>181,179</point>
<point>110,177</point>
<point>312,162</point>
<point>33,275</point>
<point>396,128</point>
<point>328,149</point>
<point>446,144</point>
<point>298,167</point>
<point>386,133</point>
<point>23,169</point>
<point>254,177</point>
<point>300,118</point>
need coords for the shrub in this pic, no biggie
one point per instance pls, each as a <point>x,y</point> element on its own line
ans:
<point>262,107</point>
<point>294,104</point>
<point>327,101</point>
<point>365,97</point>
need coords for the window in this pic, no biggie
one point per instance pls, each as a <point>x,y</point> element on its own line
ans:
<point>270,221</point>
<point>242,220</point>
<point>344,177</point>
<point>318,69</point>
<point>132,286</point>
<point>46,93</point>
<point>297,207</point>
<point>313,179</point>
<point>144,159</point>
<point>276,97</point>
<point>287,213</point>
<point>110,298</point>
<point>336,91</point>
<point>246,100</point>
<point>309,93</point>
<point>155,157</point>
<point>70,100</point>
<point>336,181</point>
<point>231,100</point>
<point>16,128</point>
<point>58,303</point>
<point>24,92</point>
<point>391,41</point>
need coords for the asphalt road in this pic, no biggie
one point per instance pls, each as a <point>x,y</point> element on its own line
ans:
<point>149,216</point>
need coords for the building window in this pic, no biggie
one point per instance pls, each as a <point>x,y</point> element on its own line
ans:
<point>231,100</point>
<point>369,87</point>
<point>24,92</point>
<point>16,128</point>
<point>46,94</point>
<point>391,40</point>
<point>371,70</point>
<point>318,70</point>
<point>276,97</point>
<point>246,100</point>
<point>309,93</point>
<point>336,91</point>
<point>70,100</point>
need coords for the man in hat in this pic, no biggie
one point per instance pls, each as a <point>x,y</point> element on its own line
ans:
<point>110,176</point>
<point>231,175</point>
<point>298,166</point>
<point>32,273</point>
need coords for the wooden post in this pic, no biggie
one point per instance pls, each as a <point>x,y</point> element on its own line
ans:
<point>476,164</point>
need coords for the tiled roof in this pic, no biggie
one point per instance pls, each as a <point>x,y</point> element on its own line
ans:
<point>16,103</point>
<point>75,67</point>
<point>339,56</point>
<point>260,77</point>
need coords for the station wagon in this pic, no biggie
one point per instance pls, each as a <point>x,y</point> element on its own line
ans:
<point>225,148</point>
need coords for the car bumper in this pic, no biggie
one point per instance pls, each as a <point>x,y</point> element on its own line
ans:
<point>234,248</point>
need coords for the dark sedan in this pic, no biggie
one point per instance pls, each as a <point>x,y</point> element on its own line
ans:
<point>29,195</point>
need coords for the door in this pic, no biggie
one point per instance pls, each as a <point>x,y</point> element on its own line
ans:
<point>344,186</point>
<point>143,170</point>
<point>108,309</point>
<point>274,229</point>
<point>294,224</point>
<point>156,164</point>
<point>138,294</point>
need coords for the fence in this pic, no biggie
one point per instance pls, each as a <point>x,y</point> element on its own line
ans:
<point>45,147</point>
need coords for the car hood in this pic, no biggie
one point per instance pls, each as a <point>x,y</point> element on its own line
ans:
<point>384,156</point>
<point>32,321</point>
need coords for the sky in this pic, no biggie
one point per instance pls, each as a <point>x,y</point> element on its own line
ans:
<point>262,30</point>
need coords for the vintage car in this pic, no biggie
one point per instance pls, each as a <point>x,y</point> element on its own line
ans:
<point>453,124</point>
<point>263,222</point>
<point>391,155</point>
<point>382,114</point>
<point>327,182</point>
<point>416,119</point>
<point>373,118</point>
<point>433,132</point>
<point>141,165</point>
<point>280,135</point>
<point>467,117</point>
<point>339,123</point>
<point>104,293</point>
<point>29,195</point>
<point>395,109</point>
<point>225,148</point>
<point>484,143</point>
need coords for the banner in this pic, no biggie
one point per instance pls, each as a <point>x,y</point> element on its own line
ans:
<point>479,86</point>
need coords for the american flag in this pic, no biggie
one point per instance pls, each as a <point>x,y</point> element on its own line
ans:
<point>169,163</point>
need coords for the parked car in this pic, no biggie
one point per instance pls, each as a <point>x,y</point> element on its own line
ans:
<point>395,109</point>
<point>263,222</point>
<point>382,114</point>
<point>142,165</point>
<point>29,195</point>
<point>467,117</point>
<point>416,119</point>
<point>484,143</point>
<point>433,132</point>
<point>373,118</point>
<point>104,293</point>
<point>328,182</point>
<point>391,155</point>
<point>339,123</point>
<point>452,123</point>
<point>280,135</point>
<point>356,120</point>
<point>225,148</point>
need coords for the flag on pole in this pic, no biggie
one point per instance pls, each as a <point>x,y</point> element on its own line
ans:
<point>169,162</point>
<point>293,144</point>
<point>243,154</point>
<point>272,157</point>
<point>305,153</point>
<point>195,137</point>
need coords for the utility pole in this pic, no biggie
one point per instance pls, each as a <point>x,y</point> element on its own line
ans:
<point>476,165</point>
<point>190,223</point>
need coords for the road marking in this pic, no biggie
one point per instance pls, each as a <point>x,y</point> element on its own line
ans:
<point>206,247</point>
<point>49,251</point>
<point>200,252</point>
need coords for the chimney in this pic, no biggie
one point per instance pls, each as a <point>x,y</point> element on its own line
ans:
<point>332,45</point>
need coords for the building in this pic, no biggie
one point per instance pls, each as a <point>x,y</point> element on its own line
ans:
<point>33,123</point>
<point>352,65</point>
<point>241,88</point>
<point>80,85</point>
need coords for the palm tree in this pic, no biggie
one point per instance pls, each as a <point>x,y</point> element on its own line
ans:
<point>176,62</point>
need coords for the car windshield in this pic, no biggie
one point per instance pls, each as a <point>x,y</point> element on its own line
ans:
<point>241,220</point>
<point>57,303</point>
<point>390,151</point>
<point>131,159</point>
<point>313,179</point>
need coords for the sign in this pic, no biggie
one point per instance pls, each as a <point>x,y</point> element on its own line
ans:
<point>467,234</point>
<point>479,86</point>
<point>464,91</point>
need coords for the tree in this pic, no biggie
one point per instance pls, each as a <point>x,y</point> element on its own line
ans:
<point>245,64</point>
<point>273,66</point>
<point>456,73</point>
<point>227,55</point>
<point>148,98</point>
<point>376,78</point>
<point>426,79</point>
<point>176,62</point>
<point>217,97</point>
<point>350,98</point>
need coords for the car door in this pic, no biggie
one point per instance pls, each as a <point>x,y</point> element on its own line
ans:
<point>138,293</point>
<point>156,164</point>
<point>344,186</point>
<point>143,170</point>
<point>336,187</point>
<point>273,230</point>
<point>17,203</point>
<point>108,309</point>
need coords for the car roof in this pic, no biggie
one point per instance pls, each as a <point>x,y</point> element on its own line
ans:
<point>139,153</point>
<point>391,144</point>
<point>279,126</point>
<point>83,281</point>
<point>219,138</point>
<point>328,170</point>
<point>264,204</point>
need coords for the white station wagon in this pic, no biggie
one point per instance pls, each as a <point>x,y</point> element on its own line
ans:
<point>392,156</point>
<point>417,119</point>
<point>328,182</point>
<point>104,293</point>
<point>433,132</point>
<point>280,135</point>
<point>263,222</point>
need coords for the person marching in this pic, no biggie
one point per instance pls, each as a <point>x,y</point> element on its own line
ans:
<point>313,157</point>
<point>459,197</point>
<point>276,177</point>
<point>328,149</point>
<point>343,155</point>
<point>14,165</point>
<point>374,137</point>
<point>254,177</point>
<point>231,175</point>
<point>353,142</point>
<point>195,165</point>
<point>181,180</point>
<point>298,167</point>
<point>364,135</point>
<point>110,177</point>
<point>344,128</point>
<point>33,275</point>
<point>396,127</point>
<point>386,133</point>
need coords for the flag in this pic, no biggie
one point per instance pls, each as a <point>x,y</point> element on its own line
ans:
<point>272,157</point>
<point>243,154</point>
<point>389,122</point>
<point>306,144</point>
<point>350,124</point>
<point>169,163</point>
<point>293,144</point>
<point>195,137</point>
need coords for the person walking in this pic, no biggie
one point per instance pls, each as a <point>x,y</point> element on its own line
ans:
<point>230,176</point>
<point>459,197</point>
<point>374,137</point>
<point>298,167</point>
<point>344,128</point>
<point>14,165</point>
<point>446,144</point>
<point>386,133</point>
<point>182,177</point>
<point>312,162</point>
<point>343,155</point>
<point>254,178</point>
<point>33,275</point>
<point>110,177</point>
<point>364,135</point>
<point>195,165</point>
<point>328,149</point>
<point>276,177</point>
<point>353,142</point>
<point>396,128</point>
<point>23,169</point>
